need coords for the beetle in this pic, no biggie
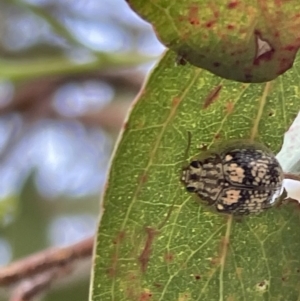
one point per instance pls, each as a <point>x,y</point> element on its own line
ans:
<point>239,178</point>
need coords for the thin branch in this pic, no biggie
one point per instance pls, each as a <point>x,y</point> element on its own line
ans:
<point>28,289</point>
<point>44,261</point>
<point>292,176</point>
<point>41,88</point>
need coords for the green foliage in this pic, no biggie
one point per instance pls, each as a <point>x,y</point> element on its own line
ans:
<point>155,242</point>
<point>249,41</point>
<point>8,206</point>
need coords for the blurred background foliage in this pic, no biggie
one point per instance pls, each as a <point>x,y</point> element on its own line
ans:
<point>69,70</point>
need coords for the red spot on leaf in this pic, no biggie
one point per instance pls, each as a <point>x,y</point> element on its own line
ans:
<point>193,14</point>
<point>212,96</point>
<point>210,24</point>
<point>290,48</point>
<point>230,26</point>
<point>233,4</point>
<point>216,14</point>
<point>284,64</point>
<point>267,56</point>
<point>145,255</point>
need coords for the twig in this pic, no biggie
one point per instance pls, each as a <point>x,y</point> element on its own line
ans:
<point>44,261</point>
<point>39,91</point>
<point>292,176</point>
<point>29,289</point>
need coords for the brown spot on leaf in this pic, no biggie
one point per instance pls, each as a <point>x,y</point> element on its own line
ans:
<point>145,296</point>
<point>231,298</point>
<point>197,277</point>
<point>229,107</point>
<point>143,178</point>
<point>233,4</point>
<point>217,136</point>
<point>184,297</point>
<point>216,14</point>
<point>215,261</point>
<point>111,271</point>
<point>271,113</point>
<point>261,284</point>
<point>217,64</point>
<point>224,243</point>
<point>145,255</point>
<point>193,14</point>
<point>158,285</point>
<point>239,271</point>
<point>175,101</point>
<point>119,238</point>
<point>230,27</point>
<point>169,257</point>
<point>212,96</point>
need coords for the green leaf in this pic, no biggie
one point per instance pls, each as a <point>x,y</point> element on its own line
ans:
<point>8,208</point>
<point>155,242</point>
<point>248,41</point>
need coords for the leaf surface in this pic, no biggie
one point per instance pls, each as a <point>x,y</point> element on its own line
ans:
<point>248,41</point>
<point>155,241</point>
